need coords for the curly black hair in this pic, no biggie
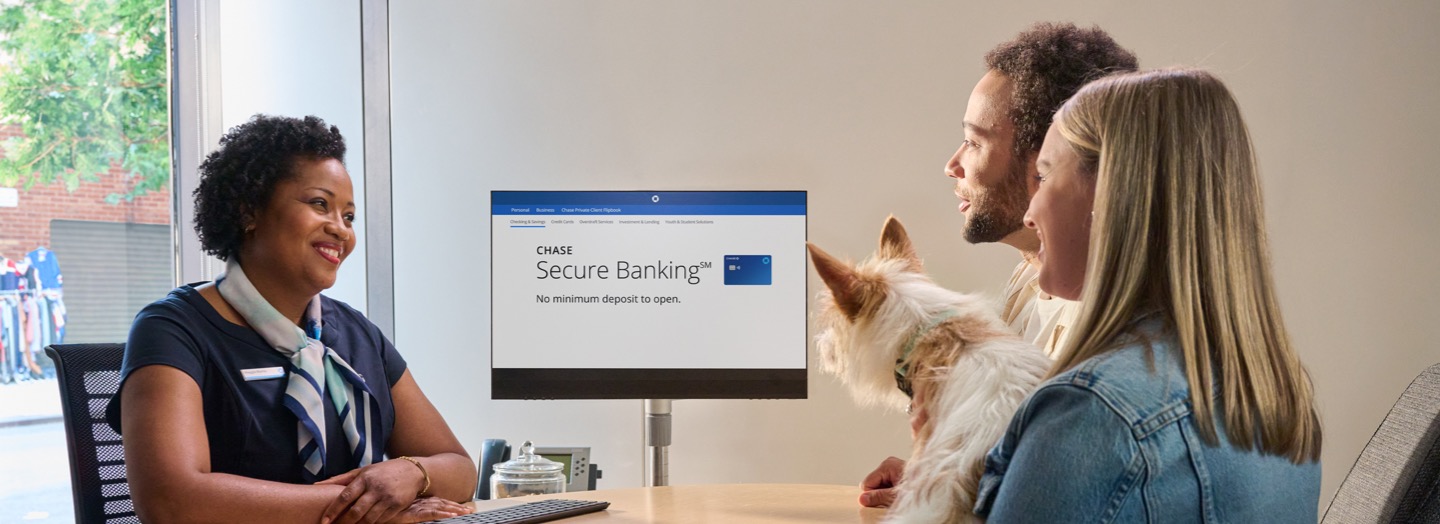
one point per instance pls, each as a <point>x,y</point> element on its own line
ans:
<point>238,178</point>
<point>1048,63</point>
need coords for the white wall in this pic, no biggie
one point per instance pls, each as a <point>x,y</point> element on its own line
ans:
<point>859,102</point>
<point>296,59</point>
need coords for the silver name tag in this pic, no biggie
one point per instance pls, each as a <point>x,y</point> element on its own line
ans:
<point>262,373</point>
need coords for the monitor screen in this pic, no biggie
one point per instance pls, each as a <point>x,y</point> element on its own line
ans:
<point>648,294</point>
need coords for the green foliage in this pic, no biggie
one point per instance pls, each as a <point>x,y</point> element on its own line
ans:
<point>87,84</point>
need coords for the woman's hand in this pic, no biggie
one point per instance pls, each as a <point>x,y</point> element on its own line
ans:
<point>379,492</point>
<point>430,508</point>
<point>878,488</point>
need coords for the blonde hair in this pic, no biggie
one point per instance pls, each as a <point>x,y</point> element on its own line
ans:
<point>1178,229</point>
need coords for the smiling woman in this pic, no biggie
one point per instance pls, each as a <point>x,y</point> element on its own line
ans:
<point>1178,396</point>
<point>257,394</point>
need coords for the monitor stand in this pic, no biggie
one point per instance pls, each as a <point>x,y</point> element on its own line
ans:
<point>657,439</point>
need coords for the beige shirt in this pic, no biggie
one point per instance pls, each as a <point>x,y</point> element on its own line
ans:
<point>1035,315</point>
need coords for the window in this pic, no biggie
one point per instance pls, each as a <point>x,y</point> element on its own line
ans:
<point>85,212</point>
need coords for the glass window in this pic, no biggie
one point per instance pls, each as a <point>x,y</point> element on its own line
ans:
<point>85,212</point>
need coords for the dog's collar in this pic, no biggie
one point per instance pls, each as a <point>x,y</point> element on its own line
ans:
<point>902,363</point>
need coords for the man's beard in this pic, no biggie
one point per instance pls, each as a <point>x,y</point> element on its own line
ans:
<point>999,211</point>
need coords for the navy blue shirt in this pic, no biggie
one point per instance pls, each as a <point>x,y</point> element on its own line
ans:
<point>251,433</point>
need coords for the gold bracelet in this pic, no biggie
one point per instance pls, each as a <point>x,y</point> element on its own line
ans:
<point>422,472</point>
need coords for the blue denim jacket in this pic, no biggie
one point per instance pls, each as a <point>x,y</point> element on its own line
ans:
<point>1113,441</point>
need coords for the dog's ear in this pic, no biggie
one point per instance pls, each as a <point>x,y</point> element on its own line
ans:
<point>840,278</point>
<point>895,245</point>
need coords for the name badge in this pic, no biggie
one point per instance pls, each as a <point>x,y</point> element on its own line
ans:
<point>262,373</point>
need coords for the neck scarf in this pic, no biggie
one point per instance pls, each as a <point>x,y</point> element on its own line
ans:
<point>310,363</point>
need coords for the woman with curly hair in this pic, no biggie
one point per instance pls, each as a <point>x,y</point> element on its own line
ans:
<point>256,397</point>
<point>1178,396</point>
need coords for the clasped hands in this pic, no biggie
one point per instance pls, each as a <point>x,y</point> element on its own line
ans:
<point>386,492</point>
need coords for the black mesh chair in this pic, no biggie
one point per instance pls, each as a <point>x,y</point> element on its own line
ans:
<point>89,374</point>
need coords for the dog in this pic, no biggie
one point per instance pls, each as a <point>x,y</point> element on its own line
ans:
<point>895,338</point>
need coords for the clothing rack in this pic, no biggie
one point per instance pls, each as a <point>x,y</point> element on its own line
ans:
<point>30,319</point>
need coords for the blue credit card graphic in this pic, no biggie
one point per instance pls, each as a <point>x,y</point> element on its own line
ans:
<point>747,270</point>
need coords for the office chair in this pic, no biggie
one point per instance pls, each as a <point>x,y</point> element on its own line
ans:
<point>89,374</point>
<point>1397,477</point>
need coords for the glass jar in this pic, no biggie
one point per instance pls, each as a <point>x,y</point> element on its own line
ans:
<point>527,474</point>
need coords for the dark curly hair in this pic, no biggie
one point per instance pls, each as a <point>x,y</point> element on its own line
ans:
<point>237,179</point>
<point>1048,63</point>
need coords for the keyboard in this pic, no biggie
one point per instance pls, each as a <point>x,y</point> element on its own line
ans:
<point>542,511</point>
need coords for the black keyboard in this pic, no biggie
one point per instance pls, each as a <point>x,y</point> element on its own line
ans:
<point>542,511</point>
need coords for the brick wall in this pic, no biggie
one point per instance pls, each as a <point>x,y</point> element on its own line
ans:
<point>27,226</point>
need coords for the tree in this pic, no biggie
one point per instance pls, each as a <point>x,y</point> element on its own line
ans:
<point>87,85</point>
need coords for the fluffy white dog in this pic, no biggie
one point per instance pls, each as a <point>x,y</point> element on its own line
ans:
<point>895,337</point>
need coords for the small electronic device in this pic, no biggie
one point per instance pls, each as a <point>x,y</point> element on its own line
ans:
<point>492,452</point>
<point>541,511</point>
<point>579,472</point>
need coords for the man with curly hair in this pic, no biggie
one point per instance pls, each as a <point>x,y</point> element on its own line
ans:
<point>1027,79</point>
<point>994,169</point>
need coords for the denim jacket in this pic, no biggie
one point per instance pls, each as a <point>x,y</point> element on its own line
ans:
<point>1114,440</point>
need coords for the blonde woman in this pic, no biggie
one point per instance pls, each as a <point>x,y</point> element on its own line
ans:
<point>1178,397</point>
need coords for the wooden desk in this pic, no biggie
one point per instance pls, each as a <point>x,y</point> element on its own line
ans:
<point>717,503</point>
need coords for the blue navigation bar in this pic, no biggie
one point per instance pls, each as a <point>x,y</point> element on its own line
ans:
<point>647,210</point>
<point>647,202</point>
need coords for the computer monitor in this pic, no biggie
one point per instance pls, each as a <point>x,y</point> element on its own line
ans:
<point>648,294</point>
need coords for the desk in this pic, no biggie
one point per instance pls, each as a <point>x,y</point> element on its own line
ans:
<point>717,503</point>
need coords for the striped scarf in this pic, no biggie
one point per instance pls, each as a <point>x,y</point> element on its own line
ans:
<point>310,361</point>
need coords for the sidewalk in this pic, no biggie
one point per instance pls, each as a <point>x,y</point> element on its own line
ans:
<point>30,402</point>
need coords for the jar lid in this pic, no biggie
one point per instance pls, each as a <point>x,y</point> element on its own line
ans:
<point>528,462</point>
